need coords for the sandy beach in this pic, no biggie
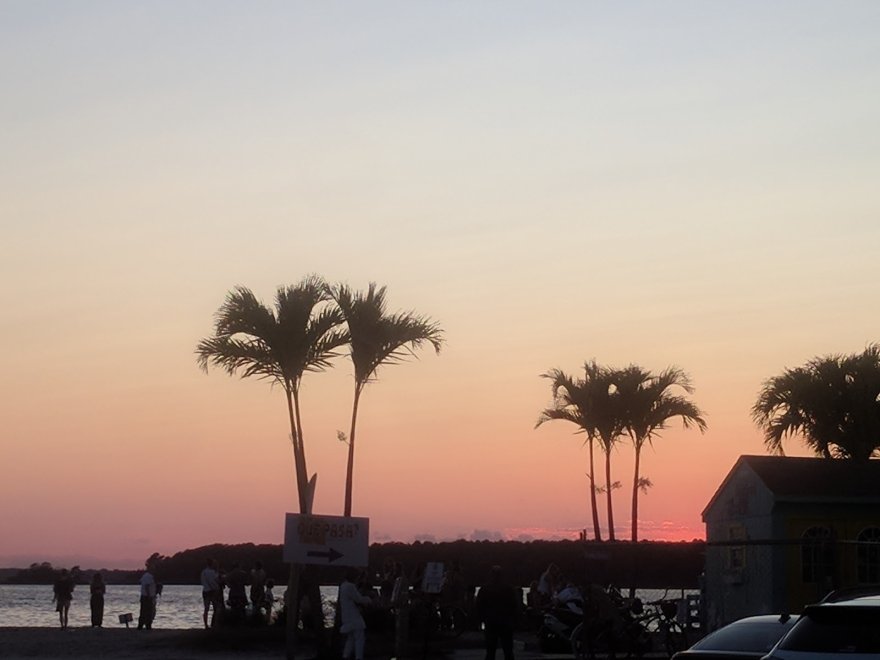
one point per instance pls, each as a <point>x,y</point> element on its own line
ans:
<point>132,644</point>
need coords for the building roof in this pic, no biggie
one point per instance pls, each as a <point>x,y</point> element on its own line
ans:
<point>820,480</point>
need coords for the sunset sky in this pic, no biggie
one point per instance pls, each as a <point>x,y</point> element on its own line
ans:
<point>689,183</point>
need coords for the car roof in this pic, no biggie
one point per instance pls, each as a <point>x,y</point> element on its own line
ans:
<point>852,593</point>
<point>857,601</point>
<point>762,618</point>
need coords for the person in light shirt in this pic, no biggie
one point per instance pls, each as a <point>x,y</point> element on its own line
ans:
<point>353,625</point>
<point>148,598</point>
<point>211,594</point>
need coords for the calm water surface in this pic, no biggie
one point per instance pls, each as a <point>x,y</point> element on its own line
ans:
<point>179,606</point>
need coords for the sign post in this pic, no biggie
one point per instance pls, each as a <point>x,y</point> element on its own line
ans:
<point>326,540</point>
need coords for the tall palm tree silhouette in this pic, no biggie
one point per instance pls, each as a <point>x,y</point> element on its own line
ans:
<point>586,403</point>
<point>279,345</point>
<point>647,404</point>
<point>376,338</point>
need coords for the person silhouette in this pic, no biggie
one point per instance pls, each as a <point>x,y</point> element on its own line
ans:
<point>353,625</point>
<point>149,592</point>
<point>212,596</point>
<point>97,589</point>
<point>258,587</point>
<point>497,607</point>
<point>62,592</point>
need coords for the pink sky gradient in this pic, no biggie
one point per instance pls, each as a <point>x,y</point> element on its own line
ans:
<point>693,185</point>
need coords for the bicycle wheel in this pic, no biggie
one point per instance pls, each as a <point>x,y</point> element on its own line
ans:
<point>578,645</point>
<point>675,638</point>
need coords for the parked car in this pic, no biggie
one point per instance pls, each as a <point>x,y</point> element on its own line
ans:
<point>747,639</point>
<point>838,627</point>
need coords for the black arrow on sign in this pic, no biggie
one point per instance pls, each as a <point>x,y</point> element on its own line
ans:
<point>331,555</point>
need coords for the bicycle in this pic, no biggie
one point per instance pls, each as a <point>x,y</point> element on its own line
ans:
<point>661,620</point>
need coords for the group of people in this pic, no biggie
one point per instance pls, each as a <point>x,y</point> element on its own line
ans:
<point>497,605</point>
<point>238,580</point>
<point>213,583</point>
<point>62,595</point>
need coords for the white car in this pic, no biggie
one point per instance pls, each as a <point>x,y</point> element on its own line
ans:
<point>747,639</point>
<point>847,629</point>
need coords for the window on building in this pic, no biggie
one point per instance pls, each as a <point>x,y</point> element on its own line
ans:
<point>736,554</point>
<point>816,554</point>
<point>868,555</point>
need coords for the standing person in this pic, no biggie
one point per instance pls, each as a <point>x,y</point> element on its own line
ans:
<point>453,598</point>
<point>258,587</point>
<point>353,625</point>
<point>148,598</point>
<point>269,600</point>
<point>97,589</point>
<point>236,580</point>
<point>211,594</point>
<point>62,594</point>
<point>497,606</point>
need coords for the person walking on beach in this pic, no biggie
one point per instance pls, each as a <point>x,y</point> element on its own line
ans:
<point>148,598</point>
<point>96,600</point>
<point>497,606</point>
<point>62,592</point>
<point>212,596</point>
<point>353,625</point>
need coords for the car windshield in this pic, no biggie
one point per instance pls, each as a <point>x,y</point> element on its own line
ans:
<point>756,636</point>
<point>835,629</point>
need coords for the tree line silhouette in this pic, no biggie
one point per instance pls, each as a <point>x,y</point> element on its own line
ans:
<point>648,564</point>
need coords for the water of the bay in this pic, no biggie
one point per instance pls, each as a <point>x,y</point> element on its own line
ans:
<point>179,606</point>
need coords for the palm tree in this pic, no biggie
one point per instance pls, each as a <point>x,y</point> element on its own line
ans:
<point>586,403</point>
<point>279,345</point>
<point>610,425</point>
<point>648,402</point>
<point>832,402</point>
<point>376,338</point>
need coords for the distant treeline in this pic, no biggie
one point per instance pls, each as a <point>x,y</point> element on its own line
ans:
<point>647,564</point>
<point>45,573</point>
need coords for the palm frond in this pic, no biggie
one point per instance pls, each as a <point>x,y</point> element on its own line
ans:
<point>377,338</point>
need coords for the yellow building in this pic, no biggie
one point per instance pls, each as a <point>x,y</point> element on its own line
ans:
<point>781,532</point>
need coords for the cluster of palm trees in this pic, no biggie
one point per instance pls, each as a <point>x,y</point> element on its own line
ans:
<point>609,405</point>
<point>310,323</point>
<point>308,326</point>
<point>832,403</point>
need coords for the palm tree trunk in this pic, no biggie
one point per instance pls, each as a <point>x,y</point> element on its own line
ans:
<point>608,491</point>
<point>635,498</point>
<point>307,496</point>
<point>298,457</point>
<point>292,600</point>
<point>597,533</point>
<point>313,592</point>
<point>349,475</point>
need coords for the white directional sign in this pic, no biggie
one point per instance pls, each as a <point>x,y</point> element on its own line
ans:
<point>326,540</point>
